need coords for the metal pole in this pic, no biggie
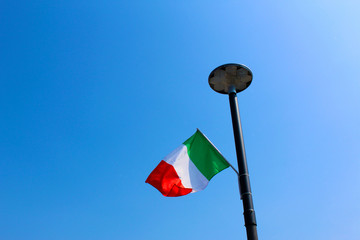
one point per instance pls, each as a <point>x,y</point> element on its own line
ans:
<point>244,180</point>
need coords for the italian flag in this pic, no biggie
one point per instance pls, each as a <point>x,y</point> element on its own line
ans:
<point>188,168</point>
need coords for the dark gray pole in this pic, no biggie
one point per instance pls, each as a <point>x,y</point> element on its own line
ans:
<point>230,79</point>
<point>244,180</point>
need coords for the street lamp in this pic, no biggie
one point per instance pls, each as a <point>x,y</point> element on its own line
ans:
<point>231,79</point>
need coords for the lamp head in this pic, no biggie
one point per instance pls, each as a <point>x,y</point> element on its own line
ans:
<point>230,77</point>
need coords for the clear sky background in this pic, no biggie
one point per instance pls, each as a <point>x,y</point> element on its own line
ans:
<point>93,94</point>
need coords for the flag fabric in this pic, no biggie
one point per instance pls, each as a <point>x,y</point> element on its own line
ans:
<point>188,168</point>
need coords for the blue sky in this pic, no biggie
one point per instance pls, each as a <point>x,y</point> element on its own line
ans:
<point>93,94</point>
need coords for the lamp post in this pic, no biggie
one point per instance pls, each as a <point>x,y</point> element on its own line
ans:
<point>231,79</point>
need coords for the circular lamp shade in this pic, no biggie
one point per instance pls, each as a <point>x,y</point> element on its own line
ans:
<point>228,76</point>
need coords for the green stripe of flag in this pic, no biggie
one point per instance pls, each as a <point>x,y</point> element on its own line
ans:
<point>205,157</point>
